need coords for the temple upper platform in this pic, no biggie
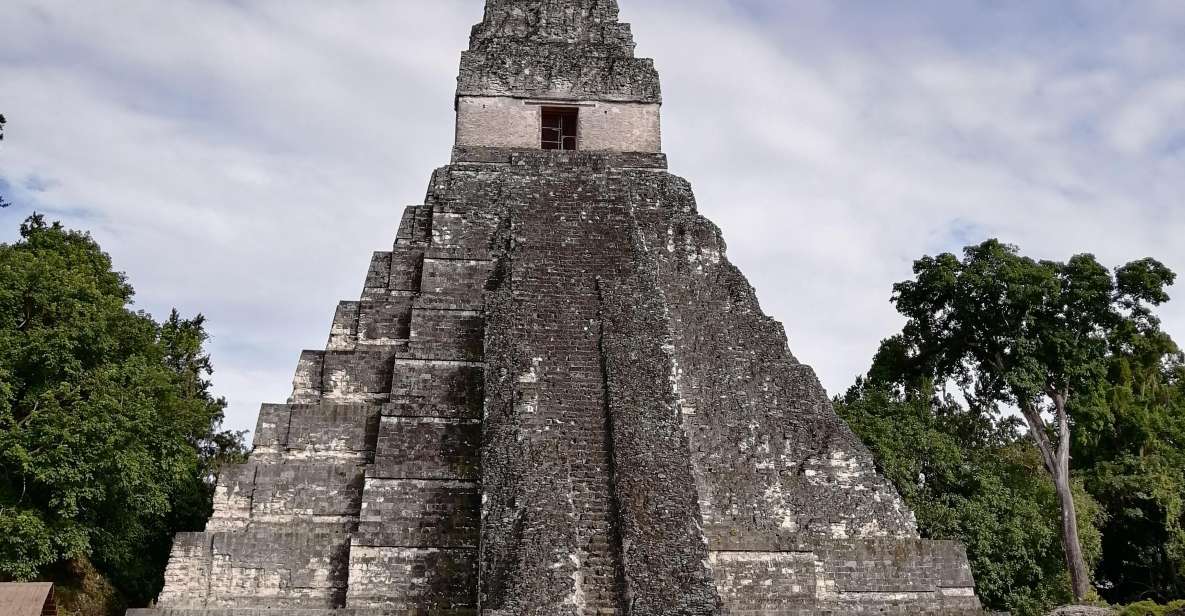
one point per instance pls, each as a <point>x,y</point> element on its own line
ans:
<point>557,74</point>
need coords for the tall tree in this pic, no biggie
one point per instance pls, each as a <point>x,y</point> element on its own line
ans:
<point>108,429</point>
<point>1029,334</point>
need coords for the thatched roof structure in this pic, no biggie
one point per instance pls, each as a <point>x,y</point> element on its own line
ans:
<point>31,599</point>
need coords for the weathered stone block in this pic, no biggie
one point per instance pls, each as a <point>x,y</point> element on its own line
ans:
<point>419,513</point>
<point>462,280</point>
<point>304,493</point>
<point>470,228</point>
<point>428,448</point>
<point>258,568</point>
<point>446,334</point>
<point>385,323</point>
<point>309,380</point>
<point>420,580</point>
<point>406,268</point>
<point>439,388</point>
<point>342,432</point>
<point>379,274</point>
<point>343,332</point>
<point>360,375</point>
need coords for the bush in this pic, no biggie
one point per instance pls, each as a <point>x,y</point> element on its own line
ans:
<point>109,434</point>
<point>1150,608</point>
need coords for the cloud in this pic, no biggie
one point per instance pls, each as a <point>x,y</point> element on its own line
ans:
<point>241,160</point>
<point>1152,119</point>
<point>244,159</point>
<point>836,144</point>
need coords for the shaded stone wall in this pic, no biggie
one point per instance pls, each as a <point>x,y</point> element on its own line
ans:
<point>770,453</point>
<point>787,514</point>
<point>562,449</point>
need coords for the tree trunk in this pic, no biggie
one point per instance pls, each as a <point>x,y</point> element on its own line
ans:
<point>1057,462</point>
<point>1075,562</point>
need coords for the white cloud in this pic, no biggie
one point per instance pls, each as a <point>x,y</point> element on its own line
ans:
<point>1153,117</point>
<point>244,159</point>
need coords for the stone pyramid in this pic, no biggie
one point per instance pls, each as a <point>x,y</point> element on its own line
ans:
<point>556,396</point>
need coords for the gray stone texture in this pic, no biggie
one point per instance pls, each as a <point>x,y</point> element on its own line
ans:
<point>556,396</point>
<point>565,49</point>
<point>1082,610</point>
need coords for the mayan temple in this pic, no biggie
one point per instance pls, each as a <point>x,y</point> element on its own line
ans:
<point>556,396</point>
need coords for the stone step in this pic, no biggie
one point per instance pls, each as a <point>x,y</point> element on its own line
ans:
<point>288,493</point>
<point>436,388</point>
<point>796,573</point>
<point>258,567</point>
<point>470,230</point>
<point>415,227</point>
<point>393,271</point>
<point>357,369</point>
<point>316,432</point>
<point>414,580</point>
<point>428,448</point>
<point>361,375</point>
<point>382,322</point>
<point>419,513</point>
<point>447,334</point>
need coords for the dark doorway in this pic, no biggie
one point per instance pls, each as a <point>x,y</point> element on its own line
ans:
<point>560,128</point>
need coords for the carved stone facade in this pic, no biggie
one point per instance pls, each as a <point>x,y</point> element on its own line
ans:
<point>556,396</point>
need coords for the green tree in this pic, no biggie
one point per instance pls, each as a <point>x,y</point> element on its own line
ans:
<point>109,434</point>
<point>1035,335</point>
<point>968,476</point>
<point>1129,445</point>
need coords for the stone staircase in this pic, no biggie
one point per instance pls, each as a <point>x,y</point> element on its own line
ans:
<point>362,494</point>
<point>556,392</point>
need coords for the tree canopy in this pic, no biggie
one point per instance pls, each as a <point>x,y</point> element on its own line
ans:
<point>1073,342</point>
<point>1129,447</point>
<point>109,431</point>
<point>1036,335</point>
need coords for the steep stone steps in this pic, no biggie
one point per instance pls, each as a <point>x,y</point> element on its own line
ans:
<point>415,548</point>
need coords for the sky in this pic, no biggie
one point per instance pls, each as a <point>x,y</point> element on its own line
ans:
<point>244,158</point>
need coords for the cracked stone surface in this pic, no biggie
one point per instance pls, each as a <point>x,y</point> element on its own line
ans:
<point>556,396</point>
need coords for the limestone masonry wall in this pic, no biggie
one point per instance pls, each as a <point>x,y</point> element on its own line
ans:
<point>581,410</point>
<point>555,396</point>
<point>508,122</point>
